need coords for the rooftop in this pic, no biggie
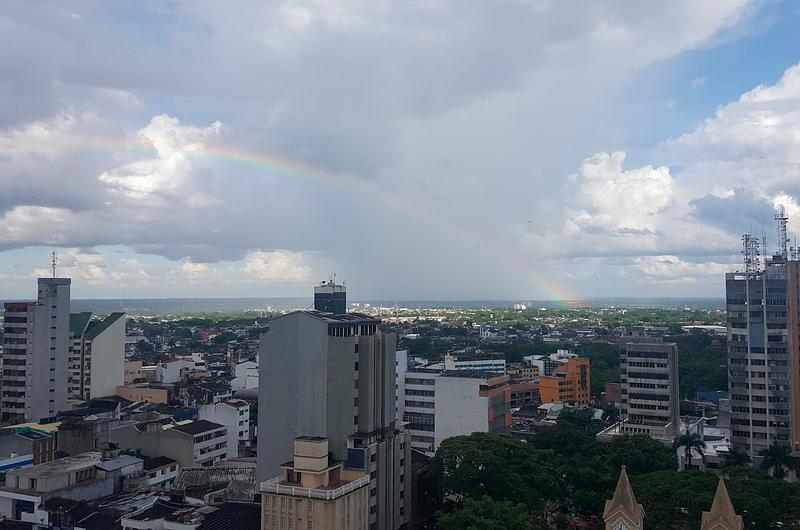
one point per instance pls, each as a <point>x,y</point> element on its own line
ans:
<point>78,322</point>
<point>157,462</point>
<point>330,318</point>
<point>97,327</point>
<point>198,426</point>
<point>118,463</point>
<point>61,466</point>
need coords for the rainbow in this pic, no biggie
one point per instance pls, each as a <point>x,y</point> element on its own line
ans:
<point>282,167</point>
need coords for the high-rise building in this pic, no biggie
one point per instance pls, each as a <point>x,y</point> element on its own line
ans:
<point>96,355</point>
<point>568,384</point>
<point>763,354</point>
<point>35,353</point>
<point>649,383</point>
<point>330,297</point>
<point>333,376</point>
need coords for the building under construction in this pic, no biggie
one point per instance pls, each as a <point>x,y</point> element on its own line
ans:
<point>763,301</point>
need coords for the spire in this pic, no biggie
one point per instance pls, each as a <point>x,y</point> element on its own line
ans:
<point>722,515</point>
<point>623,504</point>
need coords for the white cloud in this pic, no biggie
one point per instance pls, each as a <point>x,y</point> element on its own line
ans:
<point>674,269</point>
<point>170,168</point>
<point>276,266</point>
<point>604,197</point>
<point>194,271</point>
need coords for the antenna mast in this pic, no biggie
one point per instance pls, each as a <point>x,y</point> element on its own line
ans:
<point>783,239</point>
<point>53,262</point>
<point>751,253</point>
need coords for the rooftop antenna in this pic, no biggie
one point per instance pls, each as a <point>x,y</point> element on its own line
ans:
<point>782,220</point>
<point>53,262</point>
<point>750,253</point>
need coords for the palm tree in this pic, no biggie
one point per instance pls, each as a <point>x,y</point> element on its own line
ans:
<point>737,458</point>
<point>778,458</point>
<point>689,441</point>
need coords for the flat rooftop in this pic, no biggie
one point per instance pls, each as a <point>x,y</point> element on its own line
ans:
<point>61,466</point>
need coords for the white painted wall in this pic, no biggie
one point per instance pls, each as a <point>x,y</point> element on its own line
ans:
<point>459,408</point>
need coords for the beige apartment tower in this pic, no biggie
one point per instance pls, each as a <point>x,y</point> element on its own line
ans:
<point>315,493</point>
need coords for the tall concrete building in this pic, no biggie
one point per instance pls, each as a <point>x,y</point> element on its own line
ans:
<point>649,381</point>
<point>763,355</point>
<point>35,353</point>
<point>333,376</point>
<point>96,355</point>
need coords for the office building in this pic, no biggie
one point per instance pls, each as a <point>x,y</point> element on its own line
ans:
<point>763,347</point>
<point>96,356</point>
<point>330,297</point>
<point>568,384</point>
<point>649,383</point>
<point>313,492</point>
<point>440,404</point>
<point>333,376</point>
<point>35,353</point>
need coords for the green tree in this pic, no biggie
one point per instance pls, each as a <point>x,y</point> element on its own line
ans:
<point>779,459</point>
<point>689,441</point>
<point>487,514</point>
<point>498,466</point>
<point>736,458</point>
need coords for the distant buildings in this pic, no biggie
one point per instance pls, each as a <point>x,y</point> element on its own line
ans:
<point>313,492</point>
<point>332,375</point>
<point>568,384</point>
<point>35,354</point>
<point>649,381</point>
<point>482,362</point>
<point>439,404</point>
<point>96,355</point>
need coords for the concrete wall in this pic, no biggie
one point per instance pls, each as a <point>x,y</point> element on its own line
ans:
<point>47,372</point>
<point>151,395</point>
<point>292,388</point>
<point>228,416</point>
<point>459,408</point>
<point>108,360</point>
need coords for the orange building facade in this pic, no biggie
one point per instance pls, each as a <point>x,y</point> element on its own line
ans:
<point>568,384</point>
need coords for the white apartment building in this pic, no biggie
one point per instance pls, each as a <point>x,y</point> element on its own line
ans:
<point>35,353</point>
<point>440,404</point>
<point>234,414</point>
<point>97,355</point>
<point>245,375</point>
<point>480,362</point>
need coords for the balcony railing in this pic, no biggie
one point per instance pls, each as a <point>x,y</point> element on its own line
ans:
<point>274,486</point>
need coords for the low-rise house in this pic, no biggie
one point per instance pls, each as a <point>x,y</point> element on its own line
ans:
<point>81,477</point>
<point>190,442</point>
<point>161,471</point>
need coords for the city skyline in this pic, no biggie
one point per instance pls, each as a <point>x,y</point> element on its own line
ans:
<point>252,152</point>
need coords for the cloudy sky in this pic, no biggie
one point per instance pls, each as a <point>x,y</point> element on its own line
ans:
<point>440,150</point>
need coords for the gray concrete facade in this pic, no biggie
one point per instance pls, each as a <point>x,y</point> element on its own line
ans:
<point>334,376</point>
<point>649,381</point>
<point>760,357</point>
<point>35,354</point>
